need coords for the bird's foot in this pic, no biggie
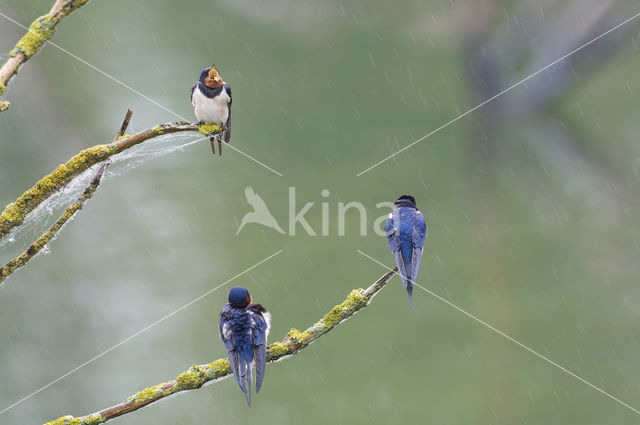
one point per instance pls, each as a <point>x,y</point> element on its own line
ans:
<point>213,145</point>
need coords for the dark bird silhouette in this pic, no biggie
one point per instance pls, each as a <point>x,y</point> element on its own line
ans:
<point>406,233</point>
<point>244,328</point>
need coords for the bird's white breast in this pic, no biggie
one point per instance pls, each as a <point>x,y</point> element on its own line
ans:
<point>211,110</point>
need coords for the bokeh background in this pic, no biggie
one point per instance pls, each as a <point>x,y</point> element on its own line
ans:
<point>531,200</point>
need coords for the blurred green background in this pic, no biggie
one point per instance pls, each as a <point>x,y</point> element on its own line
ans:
<point>532,203</point>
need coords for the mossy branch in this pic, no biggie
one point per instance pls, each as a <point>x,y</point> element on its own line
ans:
<point>35,247</point>
<point>46,237</point>
<point>198,375</point>
<point>40,30</point>
<point>15,213</point>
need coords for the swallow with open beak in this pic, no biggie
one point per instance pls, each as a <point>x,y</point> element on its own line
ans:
<point>211,99</point>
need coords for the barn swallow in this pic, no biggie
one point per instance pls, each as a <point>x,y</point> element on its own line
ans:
<point>406,232</point>
<point>211,99</point>
<point>244,328</point>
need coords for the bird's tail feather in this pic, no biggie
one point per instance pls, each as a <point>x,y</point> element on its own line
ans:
<point>248,393</point>
<point>410,293</point>
<point>244,370</point>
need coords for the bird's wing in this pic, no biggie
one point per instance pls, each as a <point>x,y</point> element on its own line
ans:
<point>414,266</point>
<point>393,235</point>
<point>239,366</point>
<point>419,231</point>
<point>227,88</point>
<point>259,346</point>
<point>193,87</point>
<point>418,238</point>
<point>401,268</point>
<point>227,133</point>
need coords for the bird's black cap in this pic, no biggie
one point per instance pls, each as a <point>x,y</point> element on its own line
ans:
<point>407,198</point>
<point>239,297</point>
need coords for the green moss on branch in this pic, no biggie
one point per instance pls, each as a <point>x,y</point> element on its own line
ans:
<point>15,213</point>
<point>40,30</point>
<point>94,419</point>
<point>37,246</point>
<point>198,375</point>
<point>208,129</point>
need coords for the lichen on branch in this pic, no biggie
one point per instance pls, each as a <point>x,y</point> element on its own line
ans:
<point>197,375</point>
<point>46,237</point>
<point>15,213</point>
<point>40,30</point>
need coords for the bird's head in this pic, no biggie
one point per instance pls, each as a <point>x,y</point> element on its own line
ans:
<point>407,200</point>
<point>210,77</point>
<point>239,297</point>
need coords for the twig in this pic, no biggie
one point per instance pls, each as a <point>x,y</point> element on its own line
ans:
<point>40,30</point>
<point>35,247</point>
<point>198,375</point>
<point>124,125</point>
<point>15,213</point>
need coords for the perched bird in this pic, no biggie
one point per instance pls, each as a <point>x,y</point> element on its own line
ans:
<point>260,213</point>
<point>244,328</point>
<point>211,99</point>
<point>406,232</point>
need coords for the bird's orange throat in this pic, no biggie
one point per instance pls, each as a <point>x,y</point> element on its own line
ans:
<point>213,80</point>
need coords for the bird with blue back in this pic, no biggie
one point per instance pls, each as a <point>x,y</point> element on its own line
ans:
<point>244,328</point>
<point>211,100</point>
<point>406,233</point>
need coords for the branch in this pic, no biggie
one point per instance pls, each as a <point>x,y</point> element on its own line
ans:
<point>35,247</point>
<point>198,375</point>
<point>15,213</point>
<point>40,30</point>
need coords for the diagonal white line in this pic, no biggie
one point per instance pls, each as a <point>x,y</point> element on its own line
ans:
<point>130,88</point>
<point>253,159</point>
<point>499,332</point>
<point>137,333</point>
<point>501,93</point>
<point>232,147</point>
